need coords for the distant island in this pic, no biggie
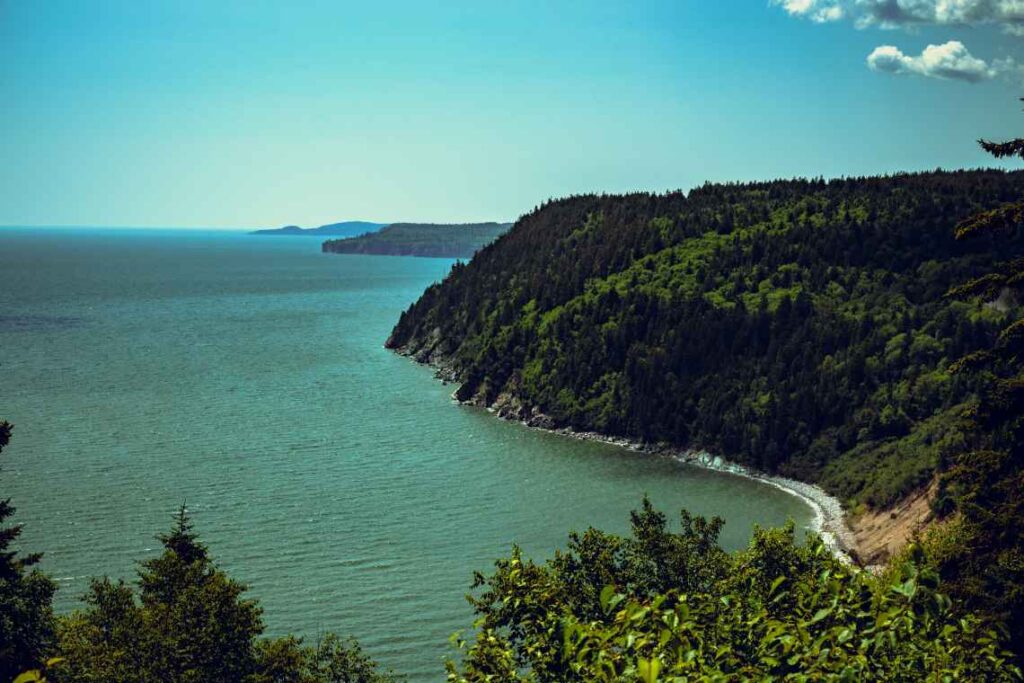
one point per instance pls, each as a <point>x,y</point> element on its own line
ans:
<point>448,240</point>
<point>343,229</point>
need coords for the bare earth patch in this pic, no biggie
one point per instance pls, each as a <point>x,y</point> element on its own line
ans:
<point>879,534</point>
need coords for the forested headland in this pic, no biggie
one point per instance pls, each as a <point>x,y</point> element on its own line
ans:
<point>800,327</point>
<point>863,334</point>
<point>457,240</point>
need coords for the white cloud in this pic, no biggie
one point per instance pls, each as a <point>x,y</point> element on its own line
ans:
<point>1009,14</point>
<point>896,13</point>
<point>819,11</point>
<point>950,61</point>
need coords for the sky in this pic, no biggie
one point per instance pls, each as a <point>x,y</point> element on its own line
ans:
<point>254,114</point>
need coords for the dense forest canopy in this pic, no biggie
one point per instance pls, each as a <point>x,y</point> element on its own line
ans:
<point>801,327</point>
<point>459,240</point>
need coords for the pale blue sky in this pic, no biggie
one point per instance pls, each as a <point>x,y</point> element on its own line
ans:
<point>265,113</point>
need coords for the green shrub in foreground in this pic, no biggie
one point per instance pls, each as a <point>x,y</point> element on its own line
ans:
<point>607,610</point>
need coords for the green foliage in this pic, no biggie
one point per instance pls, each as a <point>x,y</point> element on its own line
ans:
<point>38,675</point>
<point>878,472</point>
<point>663,606</point>
<point>984,485</point>
<point>421,239</point>
<point>785,325</point>
<point>525,601</point>
<point>329,660</point>
<point>26,594</point>
<point>191,622</point>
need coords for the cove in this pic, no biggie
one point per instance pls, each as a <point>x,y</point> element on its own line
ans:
<point>246,376</point>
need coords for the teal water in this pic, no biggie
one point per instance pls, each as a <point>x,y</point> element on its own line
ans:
<point>246,375</point>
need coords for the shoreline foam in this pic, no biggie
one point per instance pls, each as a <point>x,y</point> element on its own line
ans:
<point>829,516</point>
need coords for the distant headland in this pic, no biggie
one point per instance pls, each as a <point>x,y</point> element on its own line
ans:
<point>343,229</point>
<point>442,240</point>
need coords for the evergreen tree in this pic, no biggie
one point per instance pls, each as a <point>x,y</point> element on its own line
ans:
<point>26,594</point>
<point>192,623</point>
<point>986,566</point>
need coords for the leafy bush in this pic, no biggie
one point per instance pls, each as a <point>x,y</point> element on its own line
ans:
<point>663,606</point>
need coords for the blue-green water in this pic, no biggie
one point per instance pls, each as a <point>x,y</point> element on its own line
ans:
<point>247,375</point>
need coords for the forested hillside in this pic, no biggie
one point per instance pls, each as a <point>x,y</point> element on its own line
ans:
<point>460,240</point>
<point>800,327</point>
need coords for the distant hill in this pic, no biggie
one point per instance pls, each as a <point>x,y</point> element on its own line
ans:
<point>343,229</point>
<point>451,240</point>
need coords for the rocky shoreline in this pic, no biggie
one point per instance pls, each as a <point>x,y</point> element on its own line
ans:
<point>829,517</point>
